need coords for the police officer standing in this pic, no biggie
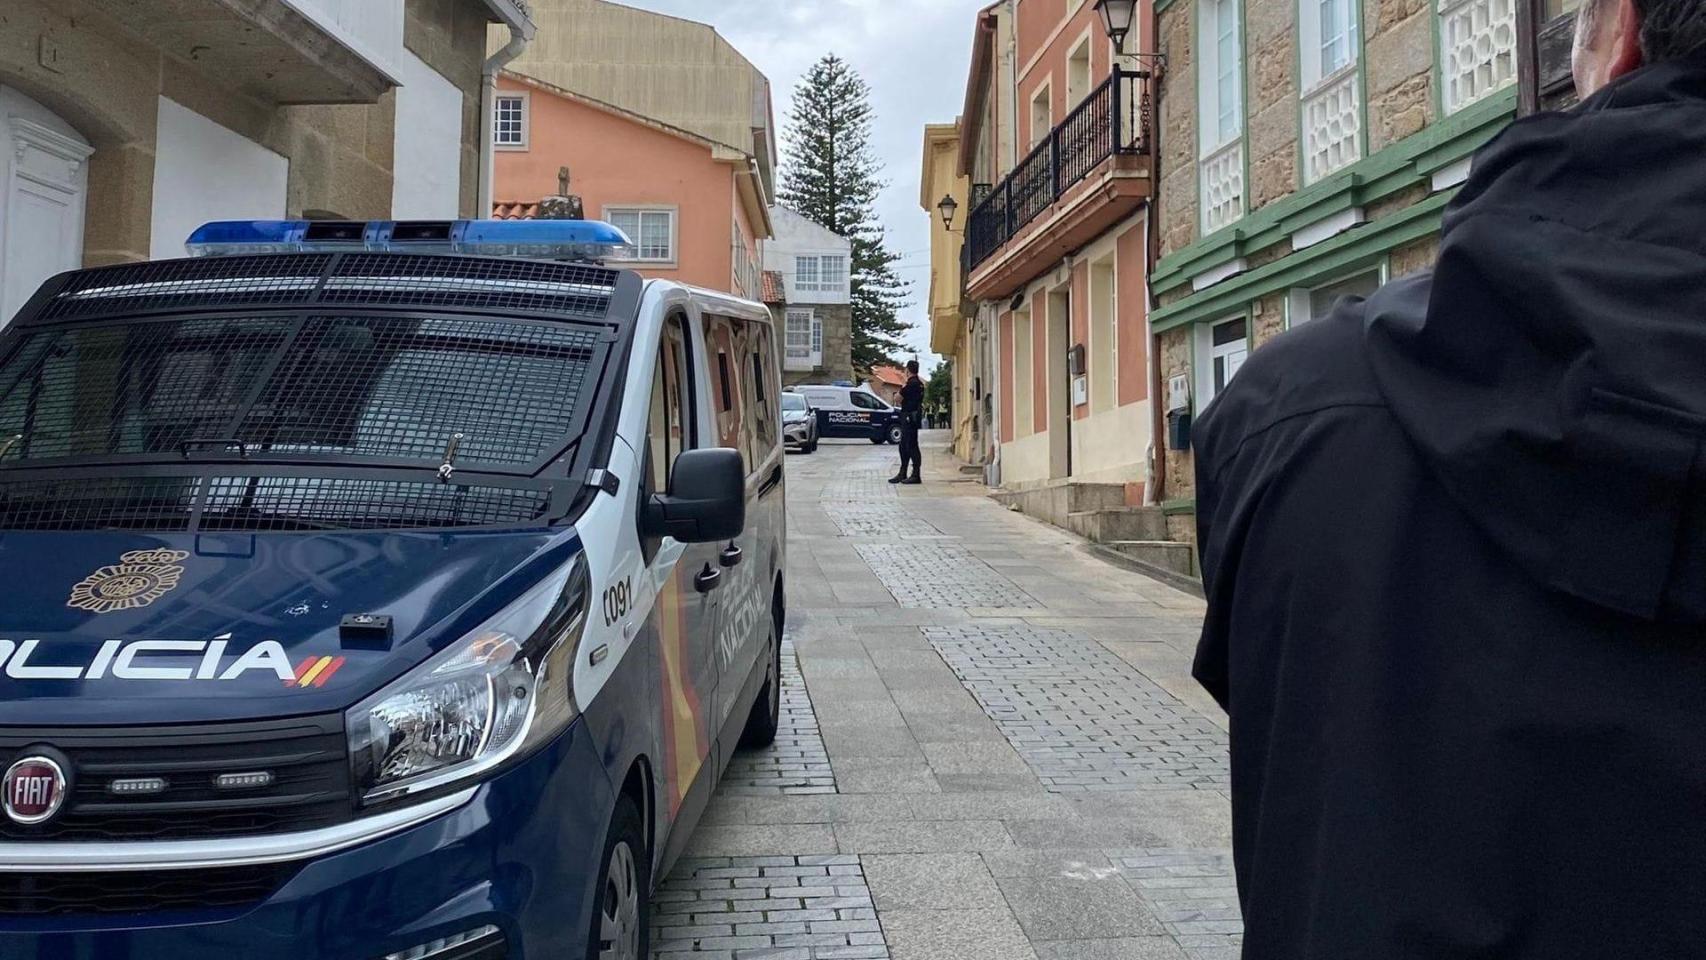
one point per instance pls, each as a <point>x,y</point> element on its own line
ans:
<point>911,418</point>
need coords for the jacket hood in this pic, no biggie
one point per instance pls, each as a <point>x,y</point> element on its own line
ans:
<point>113,627</point>
<point>1553,373</point>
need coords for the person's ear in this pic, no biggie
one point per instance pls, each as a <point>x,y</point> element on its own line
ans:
<point>1624,53</point>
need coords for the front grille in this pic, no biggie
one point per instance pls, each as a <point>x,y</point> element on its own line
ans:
<point>68,894</point>
<point>307,758</point>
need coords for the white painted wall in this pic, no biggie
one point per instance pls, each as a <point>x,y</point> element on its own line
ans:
<point>371,28</point>
<point>795,237</point>
<point>429,144</point>
<point>43,183</point>
<point>202,172</point>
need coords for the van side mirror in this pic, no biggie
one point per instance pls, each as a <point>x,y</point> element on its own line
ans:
<point>706,500</point>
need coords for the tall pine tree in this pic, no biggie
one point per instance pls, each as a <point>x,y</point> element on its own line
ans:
<point>832,177</point>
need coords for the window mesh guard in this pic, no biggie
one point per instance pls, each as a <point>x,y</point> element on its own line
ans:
<point>387,388</point>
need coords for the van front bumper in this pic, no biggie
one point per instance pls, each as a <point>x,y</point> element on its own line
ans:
<point>513,870</point>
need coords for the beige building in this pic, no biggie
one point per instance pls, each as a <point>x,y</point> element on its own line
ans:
<point>676,72</point>
<point>125,124</point>
<point>944,193</point>
<point>1307,151</point>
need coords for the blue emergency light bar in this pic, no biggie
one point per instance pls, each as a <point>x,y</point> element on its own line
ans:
<point>575,240</point>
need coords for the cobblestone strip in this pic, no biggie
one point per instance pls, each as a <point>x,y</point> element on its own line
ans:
<point>797,762</point>
<point>941,576</point>
<point>1194,895</point>
<point>1082,718</point>
<point>774,908</point>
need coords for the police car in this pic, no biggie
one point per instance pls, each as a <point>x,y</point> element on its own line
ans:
<point>376,590</point>
<point>853,412</point>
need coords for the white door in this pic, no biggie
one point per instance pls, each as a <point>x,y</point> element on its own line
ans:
<point>44,179</point>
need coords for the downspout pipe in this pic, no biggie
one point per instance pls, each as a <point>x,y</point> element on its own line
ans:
<point>488,108</point>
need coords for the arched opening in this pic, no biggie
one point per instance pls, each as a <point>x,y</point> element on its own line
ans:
<point>44,186</point>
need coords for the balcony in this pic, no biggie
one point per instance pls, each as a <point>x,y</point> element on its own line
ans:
<point>1087,175</point>
<point>278,51</point>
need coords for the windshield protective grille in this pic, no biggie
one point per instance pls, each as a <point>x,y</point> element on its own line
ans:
<point>272,504</point>
<point>364,388</point>
<point>158,504</point>
<point>566,290</point>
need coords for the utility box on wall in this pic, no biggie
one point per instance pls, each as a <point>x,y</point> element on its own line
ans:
<point>1179,413</point>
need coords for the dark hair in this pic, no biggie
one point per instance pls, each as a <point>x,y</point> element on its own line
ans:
<point>1670,29</point>
<point>912,366</point>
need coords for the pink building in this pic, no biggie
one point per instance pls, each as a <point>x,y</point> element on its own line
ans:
<point>696,208</point>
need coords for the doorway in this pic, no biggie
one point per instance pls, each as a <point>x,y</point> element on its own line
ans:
<point>44,180</point>
<point>1060,383</point>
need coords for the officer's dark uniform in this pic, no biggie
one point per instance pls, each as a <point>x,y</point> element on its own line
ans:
<point>911,418</point>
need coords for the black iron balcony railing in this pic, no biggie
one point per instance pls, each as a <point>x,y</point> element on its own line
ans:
<point>1113,119</point>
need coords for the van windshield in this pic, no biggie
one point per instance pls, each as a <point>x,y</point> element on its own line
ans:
<point>361,389</point>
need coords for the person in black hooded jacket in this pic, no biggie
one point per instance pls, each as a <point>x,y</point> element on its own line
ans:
<point>1454,546</point>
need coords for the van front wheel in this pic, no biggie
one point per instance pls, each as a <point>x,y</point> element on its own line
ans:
<point>621,910</point>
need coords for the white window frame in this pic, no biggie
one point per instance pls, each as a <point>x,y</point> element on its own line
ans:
<point>1312,41</point>
<point>801,283</point>
<point>1498,13</point>
<point>526,100</point>
<point>1298,302</point>
<point>812,358</point>
<point>1217,147</point>
<point>1043,94</point>
<point>1078,88</point>
<point>644,209</point>
<point>1207,352</point>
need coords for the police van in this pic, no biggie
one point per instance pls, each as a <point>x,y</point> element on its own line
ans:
<point>376,590</point>
<point>853,412</point>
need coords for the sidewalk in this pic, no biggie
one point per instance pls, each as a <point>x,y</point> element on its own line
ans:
<point>992,747</point>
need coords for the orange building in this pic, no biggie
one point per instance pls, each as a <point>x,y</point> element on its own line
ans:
<point>696,208</point>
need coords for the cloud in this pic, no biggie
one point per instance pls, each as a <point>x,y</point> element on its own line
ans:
<point>913,53</point>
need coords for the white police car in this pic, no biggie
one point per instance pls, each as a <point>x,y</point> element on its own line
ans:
<point>376,590</point>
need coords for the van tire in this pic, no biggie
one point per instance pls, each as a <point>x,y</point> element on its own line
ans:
<point>622,897</point>
<point>879,440</point>
<point>766,716</point>
<point>895,434</point>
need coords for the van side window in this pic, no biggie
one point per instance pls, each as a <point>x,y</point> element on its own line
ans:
<point>865,401</point>
<point>763,423</point>
<point>720,342</point>
<point>671,425</point>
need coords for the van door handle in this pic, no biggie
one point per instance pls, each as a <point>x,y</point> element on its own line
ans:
<point>731,556</point>
<point>708,579</point>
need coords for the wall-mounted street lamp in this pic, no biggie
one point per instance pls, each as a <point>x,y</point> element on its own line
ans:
<point>1117,19</point>
<point>948,207</point>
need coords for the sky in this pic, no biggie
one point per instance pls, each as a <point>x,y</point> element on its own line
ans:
<point>913,53</point>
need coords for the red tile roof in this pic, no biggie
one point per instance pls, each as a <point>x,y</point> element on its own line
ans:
<point>515,210</point>
<point>893,376</point>
<point>775,287</point>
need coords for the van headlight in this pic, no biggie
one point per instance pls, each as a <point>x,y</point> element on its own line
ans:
<point>494,695</point>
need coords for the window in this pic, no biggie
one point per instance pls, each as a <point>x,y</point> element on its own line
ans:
<point>726,344</point>
<point>1331,101</point>
<point>509,121</point>
<point>761,425</point>
<point>670,429</point>
<point>745,266</point>
<point>1042,115</point>
<point>1220,114</point>
<point>1221,350</point>
<point>821,274</point>
<point>866,401</point>
<point>802,340</point>
<point>653,231</point>
<point>1477,49</point>
<point>1314,303</point>
<point>1078,74</point>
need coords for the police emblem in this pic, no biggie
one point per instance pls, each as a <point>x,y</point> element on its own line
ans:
<point>138,579</point>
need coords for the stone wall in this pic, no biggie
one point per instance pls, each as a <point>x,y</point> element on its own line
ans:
<point>107,83</point>
<point>1173,352</point>
<point>1414,256</point>
<point>1271,126</point>
<point>1176,206</point>
<point>1398,69</point>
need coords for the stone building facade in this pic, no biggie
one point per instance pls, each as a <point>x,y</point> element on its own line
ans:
<point>123,122</point>
<point>1307,151</point>
<point>809,290</point>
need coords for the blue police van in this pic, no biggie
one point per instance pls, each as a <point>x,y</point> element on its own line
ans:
<point>377,590</point>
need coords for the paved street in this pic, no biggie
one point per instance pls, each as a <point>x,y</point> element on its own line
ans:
<point>991,748</point>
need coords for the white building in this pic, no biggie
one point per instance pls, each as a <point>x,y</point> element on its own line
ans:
<point>815,309</point>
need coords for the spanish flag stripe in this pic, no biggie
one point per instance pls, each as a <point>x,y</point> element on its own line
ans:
<point>307,679</point>
<point>303,667</point>
<point>331,668</point>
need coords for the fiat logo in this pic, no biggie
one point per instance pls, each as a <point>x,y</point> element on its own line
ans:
<point>33,789</point>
